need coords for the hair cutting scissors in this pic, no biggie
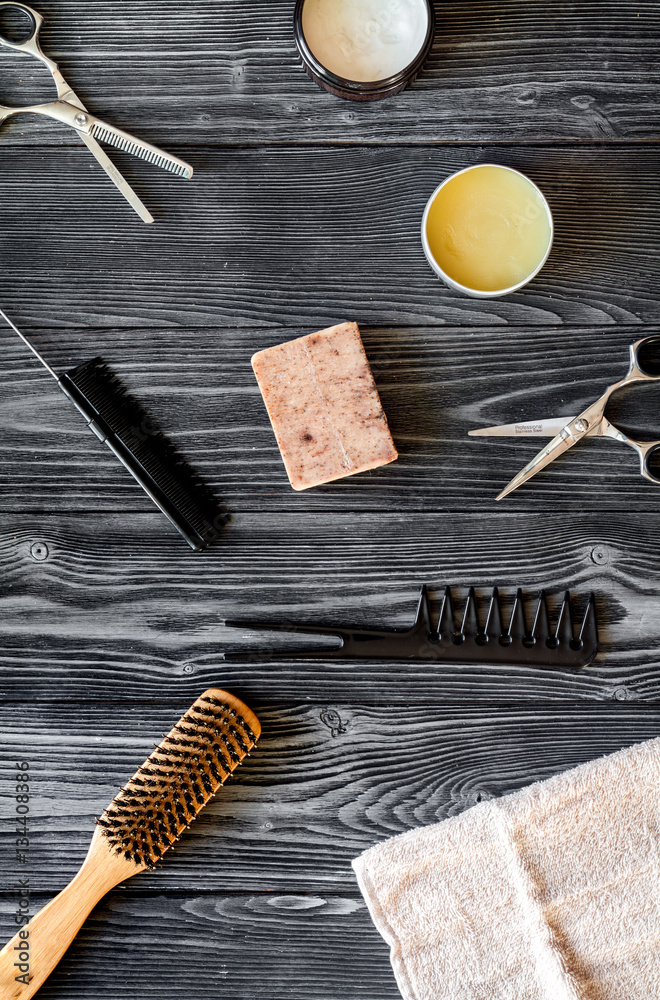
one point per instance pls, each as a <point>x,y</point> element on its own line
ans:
<point>567,431</point>
<point>70,110</point>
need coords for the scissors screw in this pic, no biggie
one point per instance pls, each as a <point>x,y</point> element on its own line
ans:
<point>581,425</point>
<point>81,119</point>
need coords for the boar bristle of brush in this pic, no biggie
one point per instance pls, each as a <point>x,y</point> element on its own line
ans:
<point>185,770</point>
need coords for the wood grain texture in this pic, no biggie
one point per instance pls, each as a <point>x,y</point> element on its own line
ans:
<point>311,797</point>
<point>116,606</point>
<point>435,385</point>
<point>304,211</point>
<point>314,236</point>
<point>298,946</point>
<point>229,72</point>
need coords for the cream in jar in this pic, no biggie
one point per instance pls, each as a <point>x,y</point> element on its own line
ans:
<point>366,41</point>
<point>487,230</point>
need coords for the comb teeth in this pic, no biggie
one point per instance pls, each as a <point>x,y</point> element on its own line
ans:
<point>165,794</point>
<point>119,139</point>
<point>516,634</point>
<point>148,455</point>
<point>472,643</point>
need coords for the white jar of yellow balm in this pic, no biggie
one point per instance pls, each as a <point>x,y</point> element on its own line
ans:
<point>487,230</point>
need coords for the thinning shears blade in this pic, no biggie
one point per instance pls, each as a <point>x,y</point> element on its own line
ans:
<point>103,132</point>
<point>117,178</point>
<point>87,124</point>
<point>104,160</point>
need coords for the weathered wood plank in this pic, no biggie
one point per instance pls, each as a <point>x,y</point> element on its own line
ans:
<point>116,606</point>
<point>150,946</point>
<point>310,797</point>
<point>307,236</point>
<point>229,73</point>
<point>435,384</point>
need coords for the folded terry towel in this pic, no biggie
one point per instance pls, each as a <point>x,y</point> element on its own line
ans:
<point>552,893</point>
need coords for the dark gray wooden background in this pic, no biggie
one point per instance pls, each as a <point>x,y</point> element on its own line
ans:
<point>304,211</point>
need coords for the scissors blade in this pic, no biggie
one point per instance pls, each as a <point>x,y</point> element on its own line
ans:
<point>87,124</point>
<point>548,427</point>
<point>66,94</point>
<point>559,444</point>
<point>579,427</point>
<point>136,147</point>
<point>118,179</point>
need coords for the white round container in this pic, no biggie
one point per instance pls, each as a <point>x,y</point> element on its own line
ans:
<point>475,292</point>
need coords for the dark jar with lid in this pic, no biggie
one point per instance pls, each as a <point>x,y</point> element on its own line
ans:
<point>392,40</point>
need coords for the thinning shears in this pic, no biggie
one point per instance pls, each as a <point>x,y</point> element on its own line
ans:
<point>592,422</point>
<point>70,110</point>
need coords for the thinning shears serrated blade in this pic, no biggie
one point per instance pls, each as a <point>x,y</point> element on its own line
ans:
<point>103,132</point>
<point>89,125</point>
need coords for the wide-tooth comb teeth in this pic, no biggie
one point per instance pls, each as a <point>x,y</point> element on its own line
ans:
<point>141,822</point>
<point>541,629</point>
<point>517,625</point>
<point>494,627</point>
<point>470,624</point>
<point>564,630</point>
<point>446,621</point>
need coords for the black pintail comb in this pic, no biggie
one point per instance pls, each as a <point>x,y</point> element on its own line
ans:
<point>120,422</point>
<point>538,644</point>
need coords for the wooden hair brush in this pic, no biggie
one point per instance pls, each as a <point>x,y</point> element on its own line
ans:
<point>145,818</point>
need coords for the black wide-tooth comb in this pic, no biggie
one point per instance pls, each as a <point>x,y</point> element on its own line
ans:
<point>470,643</point>
<point>123,425</point>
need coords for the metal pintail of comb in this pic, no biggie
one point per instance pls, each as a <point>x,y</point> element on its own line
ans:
<point>492,643</point>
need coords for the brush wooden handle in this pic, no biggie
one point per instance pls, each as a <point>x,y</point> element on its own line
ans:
<point>44,940</point>
<point>143,820</point>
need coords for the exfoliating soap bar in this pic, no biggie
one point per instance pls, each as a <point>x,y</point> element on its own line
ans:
<point>324,406</point>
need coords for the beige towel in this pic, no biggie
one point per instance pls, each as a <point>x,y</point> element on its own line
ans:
<point>552,893</point>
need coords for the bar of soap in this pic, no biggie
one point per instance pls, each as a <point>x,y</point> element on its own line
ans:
<point>324,406</point>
